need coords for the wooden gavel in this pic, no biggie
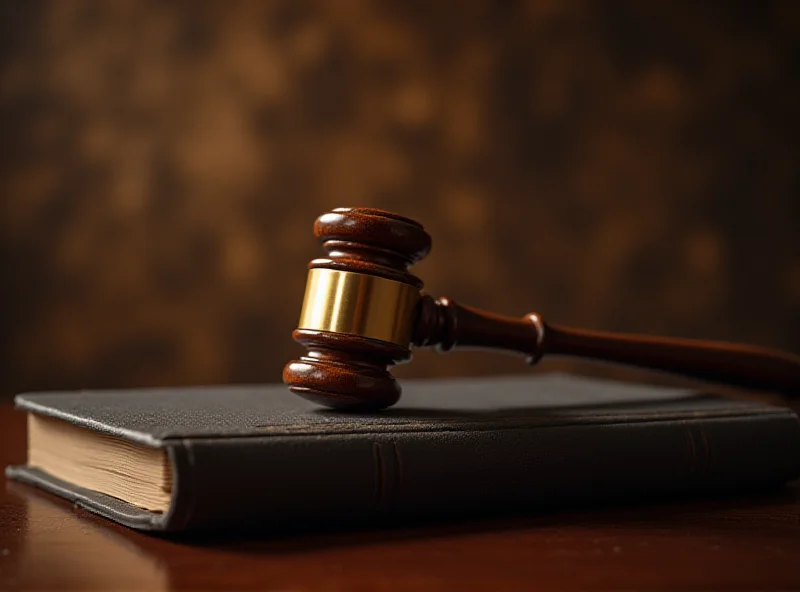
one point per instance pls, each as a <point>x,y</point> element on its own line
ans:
<point>363,311</point>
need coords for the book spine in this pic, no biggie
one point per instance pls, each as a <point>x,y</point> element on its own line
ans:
<point>280,480</point>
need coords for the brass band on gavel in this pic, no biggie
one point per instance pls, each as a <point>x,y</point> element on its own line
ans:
<point>359,304</point>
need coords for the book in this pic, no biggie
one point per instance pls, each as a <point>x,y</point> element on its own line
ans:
<point>223,458</point>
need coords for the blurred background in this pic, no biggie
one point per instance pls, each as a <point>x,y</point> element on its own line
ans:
<point>621,165</point>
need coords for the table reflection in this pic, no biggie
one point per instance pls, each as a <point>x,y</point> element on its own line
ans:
<point>59,546</point>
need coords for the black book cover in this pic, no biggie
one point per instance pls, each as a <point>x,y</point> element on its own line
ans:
<point>260,457</point>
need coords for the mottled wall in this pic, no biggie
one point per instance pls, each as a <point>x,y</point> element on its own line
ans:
<point>618,165</point>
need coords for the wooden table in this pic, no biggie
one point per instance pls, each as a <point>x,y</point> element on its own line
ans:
<point>743,543</point>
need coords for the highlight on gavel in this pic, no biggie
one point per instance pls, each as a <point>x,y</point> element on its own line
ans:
<point>363,310</point>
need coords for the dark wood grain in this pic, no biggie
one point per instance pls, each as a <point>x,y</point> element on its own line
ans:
<point>372,241</point>
<point>446,325</point>
<point>346,371</point>
<point>748,543</point>
<point>734,364</point>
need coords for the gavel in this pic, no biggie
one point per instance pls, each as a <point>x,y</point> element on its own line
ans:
<point>363,310</point>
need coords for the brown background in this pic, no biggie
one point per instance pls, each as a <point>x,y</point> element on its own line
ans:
<point>618,165</point>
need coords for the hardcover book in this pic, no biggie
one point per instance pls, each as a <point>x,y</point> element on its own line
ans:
<point>259,457</point>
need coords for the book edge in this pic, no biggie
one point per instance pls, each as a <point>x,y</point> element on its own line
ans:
<point>95,502</point>
<point>509,421</point>
<point>179,515</point>
<point>144,438</point>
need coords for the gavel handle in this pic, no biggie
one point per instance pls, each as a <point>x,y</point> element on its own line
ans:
<point>445,324</point>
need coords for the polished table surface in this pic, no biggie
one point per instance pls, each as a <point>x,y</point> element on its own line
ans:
<point>743,543</point>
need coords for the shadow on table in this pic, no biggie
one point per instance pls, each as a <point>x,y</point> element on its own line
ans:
<point>85,551</point>
<point>727,513</point>
<point>722,513</point>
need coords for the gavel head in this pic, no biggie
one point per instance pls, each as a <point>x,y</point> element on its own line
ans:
<point>359,309</point>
